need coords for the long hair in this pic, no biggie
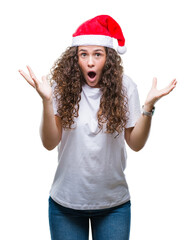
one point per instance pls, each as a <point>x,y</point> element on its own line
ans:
<point>67,92</point>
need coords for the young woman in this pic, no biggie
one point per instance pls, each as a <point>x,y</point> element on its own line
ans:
<point>90,111</point>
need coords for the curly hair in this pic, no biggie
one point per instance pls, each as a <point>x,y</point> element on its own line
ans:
<point>69,81</point>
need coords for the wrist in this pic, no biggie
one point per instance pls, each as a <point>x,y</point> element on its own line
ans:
<point>146,112</point>
<point>47,101</point>
<point>148,107</point>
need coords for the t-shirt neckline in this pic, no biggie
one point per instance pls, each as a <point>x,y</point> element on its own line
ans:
<point>93,89</point>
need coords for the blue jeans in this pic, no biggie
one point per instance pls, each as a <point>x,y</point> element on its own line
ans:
<point>106,224</point>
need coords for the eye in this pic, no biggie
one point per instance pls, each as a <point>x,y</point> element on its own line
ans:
<point>83,54</point>
<point>97,54</point>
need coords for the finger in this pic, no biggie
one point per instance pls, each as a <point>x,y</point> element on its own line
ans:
<point>169,88</point>
<point>27,78</point>
<point>171,85</point>
<point>32,75</point>
<point>154,82</point>
<point>174,82</point>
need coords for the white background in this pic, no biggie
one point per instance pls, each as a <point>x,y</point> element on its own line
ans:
<point>161,41</point>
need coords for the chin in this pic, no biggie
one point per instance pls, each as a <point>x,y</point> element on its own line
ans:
<point>94,85</point>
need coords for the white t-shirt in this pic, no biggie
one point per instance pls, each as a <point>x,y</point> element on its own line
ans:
<point>91,163</point>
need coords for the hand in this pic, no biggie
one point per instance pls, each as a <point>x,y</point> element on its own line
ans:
<point>154,95</point>
<point>43,88</point>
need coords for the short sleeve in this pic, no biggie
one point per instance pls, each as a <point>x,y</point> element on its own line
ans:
<point>55,106</point>
<point>133,103</point>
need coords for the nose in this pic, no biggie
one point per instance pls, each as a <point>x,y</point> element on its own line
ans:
<point>90,62</point>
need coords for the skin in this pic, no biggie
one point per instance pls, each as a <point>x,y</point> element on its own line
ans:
<point>50,127</point>
<point>137,136</point>
<point>92,58</point>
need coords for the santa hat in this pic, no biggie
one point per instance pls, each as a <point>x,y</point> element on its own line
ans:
<point>99,31</point>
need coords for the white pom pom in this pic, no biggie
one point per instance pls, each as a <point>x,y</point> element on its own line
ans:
<point>121,50</point>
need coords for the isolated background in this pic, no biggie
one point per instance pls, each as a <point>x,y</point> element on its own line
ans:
<point>160,39</point>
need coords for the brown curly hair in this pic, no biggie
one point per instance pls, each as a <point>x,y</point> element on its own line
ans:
<point>67,92</point>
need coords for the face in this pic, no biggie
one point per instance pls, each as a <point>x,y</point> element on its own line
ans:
<point>91,60</point>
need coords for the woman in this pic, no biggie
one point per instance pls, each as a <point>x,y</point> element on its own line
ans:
<point>88,112</point>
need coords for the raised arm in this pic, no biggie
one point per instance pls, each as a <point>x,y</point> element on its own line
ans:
<point>50,127</point>
<point>137,136</point>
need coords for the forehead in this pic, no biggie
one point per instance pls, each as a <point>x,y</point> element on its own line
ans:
<point>91,48</point>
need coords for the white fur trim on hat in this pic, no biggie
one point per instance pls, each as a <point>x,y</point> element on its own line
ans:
<point>99,40</point>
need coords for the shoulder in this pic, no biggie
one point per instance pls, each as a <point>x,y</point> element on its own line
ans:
<point>129,84</point>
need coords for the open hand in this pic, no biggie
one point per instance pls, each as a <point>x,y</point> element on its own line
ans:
<point>43,88</point>
<point>154,95</point>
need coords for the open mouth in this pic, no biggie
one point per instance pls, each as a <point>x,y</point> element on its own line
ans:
<point>91,74</point>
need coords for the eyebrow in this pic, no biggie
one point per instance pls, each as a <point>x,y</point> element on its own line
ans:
<point>96,50</point>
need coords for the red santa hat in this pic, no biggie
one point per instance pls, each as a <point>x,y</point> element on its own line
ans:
<point>100,31</point>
